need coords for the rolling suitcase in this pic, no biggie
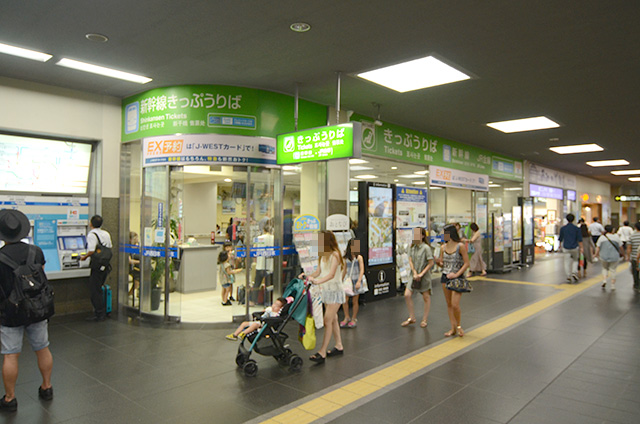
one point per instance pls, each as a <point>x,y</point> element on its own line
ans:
<point>106,295</point>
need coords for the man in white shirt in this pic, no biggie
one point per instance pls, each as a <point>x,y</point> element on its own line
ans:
<point>98,273</point>
<point>596,229</point>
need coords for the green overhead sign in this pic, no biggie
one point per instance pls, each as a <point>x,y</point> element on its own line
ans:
<point>396,142</point>
<point>215,109</point>
<point>324,143</point>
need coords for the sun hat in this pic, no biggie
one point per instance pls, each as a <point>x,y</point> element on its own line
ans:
<point>14,225</point>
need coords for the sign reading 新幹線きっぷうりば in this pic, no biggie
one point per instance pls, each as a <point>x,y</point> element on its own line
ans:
<point>215,109</point>
<point>323,143</point>
<point>396,142</point>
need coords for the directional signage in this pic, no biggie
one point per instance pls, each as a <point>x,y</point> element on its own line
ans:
<point>627,198</point>
<point>323,143</point>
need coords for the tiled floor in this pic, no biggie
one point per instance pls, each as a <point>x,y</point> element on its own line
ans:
<point>575,363</point>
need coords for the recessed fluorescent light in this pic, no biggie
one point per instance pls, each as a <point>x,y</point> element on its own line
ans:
<point>627,172</point>
<point>435,188</point>
<point>414,75</point>
<point>94,69</point>
<point>394,167</point>
<point>495,185</point>
<point>421,172</point>
<point>526,124</point>
<point>419,182</point>
<point>411,176</point>
<point>616,162</point>
<point>634,179</point>
<point>197,169</point>
<point>285,173</point>
<point>512,188</point>
<point>357,161</point>
<point>360,168</point>
<point>228,180</point>
<point>24,53</point>
<point>366,177</point>
<point>577,148</point>
<point>290,168</point>
<point>395,181</point>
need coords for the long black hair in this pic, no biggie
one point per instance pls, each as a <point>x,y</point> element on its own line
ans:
<point>453,232</point>
<point>347,252</point>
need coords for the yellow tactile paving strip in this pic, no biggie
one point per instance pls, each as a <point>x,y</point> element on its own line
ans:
<point>349,393</point>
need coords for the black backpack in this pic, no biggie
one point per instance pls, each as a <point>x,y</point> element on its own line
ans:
<point>32,295</point>
<point>101,256</point>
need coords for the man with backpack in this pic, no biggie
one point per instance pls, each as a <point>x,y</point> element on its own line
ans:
<point>22,310</point>
<point>99,250</point>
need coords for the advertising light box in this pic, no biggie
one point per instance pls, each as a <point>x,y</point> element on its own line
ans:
<point>545,192</point>
<point>323,143</point>
<point>380,210</point>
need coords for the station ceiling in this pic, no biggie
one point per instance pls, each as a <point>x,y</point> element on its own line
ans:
<point>576,62</point>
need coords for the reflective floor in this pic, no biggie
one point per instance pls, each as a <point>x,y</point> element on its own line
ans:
<point>538,352</point>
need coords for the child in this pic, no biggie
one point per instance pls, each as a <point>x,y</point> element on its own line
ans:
<point>228,247</point>
<point>226,276</point>
<point>250,326</point>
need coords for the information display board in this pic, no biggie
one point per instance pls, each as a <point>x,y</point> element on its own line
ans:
<point>38,165</point>
<point>380,210</point>
<point>411,207</point>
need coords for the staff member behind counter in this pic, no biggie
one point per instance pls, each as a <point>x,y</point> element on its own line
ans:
<point>98,274</point>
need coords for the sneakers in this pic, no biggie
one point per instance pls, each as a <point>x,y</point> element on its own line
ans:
<point>613,286</point>
<point>241,335</point>
<point>231,298</point>
<point>11,406</point>
<point>604,285</point>
<point>45,394</point>
<point>231,337</point>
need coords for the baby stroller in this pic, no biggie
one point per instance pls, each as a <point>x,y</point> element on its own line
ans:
<point>270,339</point>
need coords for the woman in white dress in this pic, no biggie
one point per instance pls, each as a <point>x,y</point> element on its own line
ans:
<point>329,277</point>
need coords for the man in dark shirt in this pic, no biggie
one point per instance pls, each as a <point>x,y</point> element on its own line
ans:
<point>571,242</point>
<point>14,226</point>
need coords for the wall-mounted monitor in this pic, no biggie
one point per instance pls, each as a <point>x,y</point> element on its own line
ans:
<point>380,211</point>
<point>40,165</point>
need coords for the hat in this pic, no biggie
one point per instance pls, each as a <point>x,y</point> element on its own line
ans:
<point>14,225</point>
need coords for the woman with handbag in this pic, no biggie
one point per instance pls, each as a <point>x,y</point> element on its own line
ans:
<point>355,281</point>
<point>454,261</point>
<point>329,276</point>
<point>421,262</point>
<point>609,250</point>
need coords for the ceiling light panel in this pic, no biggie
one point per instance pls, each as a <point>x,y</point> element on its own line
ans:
<point>411,176</point>
<point>526,124</point>
<point>357,161</point>
<point>616,162</point>
<point>578,148</point>
<point>415,75</point>
<point>100,70</point>
<point>24,53</point>
<point>360,168</point>
<point>634,179</point>
<point>627,172</point>
<point>366,177</point>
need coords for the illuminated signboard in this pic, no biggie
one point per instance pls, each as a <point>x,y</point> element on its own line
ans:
<point>323,143</point>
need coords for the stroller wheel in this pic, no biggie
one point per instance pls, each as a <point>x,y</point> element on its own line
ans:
<point>240,360</point>
<point>295,363</point>
<point>250,368</point>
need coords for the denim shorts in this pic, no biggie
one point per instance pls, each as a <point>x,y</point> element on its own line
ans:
<point>11,337</point>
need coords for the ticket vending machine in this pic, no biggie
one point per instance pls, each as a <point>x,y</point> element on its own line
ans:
<point>72,243</point>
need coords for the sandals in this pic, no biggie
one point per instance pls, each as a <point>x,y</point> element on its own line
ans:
<point>335,352</point>
<point>352,324</point>
<point>317,358</point>
<point>408,322</point>
<point>460,331</point>
<point>423,323</point>
<point>450,333</point>
<point>344,323</point>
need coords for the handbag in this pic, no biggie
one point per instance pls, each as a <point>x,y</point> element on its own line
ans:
<point>363,284</point>
<point>416,284</point>
<point>308,333</point>
<point>347,284</point>
<point>460,284</point>
<point>616,246</point>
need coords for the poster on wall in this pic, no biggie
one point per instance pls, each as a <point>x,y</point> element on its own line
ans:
<point>411,207</point>
<point>498,231</point>
<point>508,231</point>
<point>481,217</point>
<point>380,211</point>
<point>228,207</point>
<point>517,222</point>
<point>527,218</point>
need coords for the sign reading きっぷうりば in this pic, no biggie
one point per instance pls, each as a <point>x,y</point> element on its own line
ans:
<point>323,143</point>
